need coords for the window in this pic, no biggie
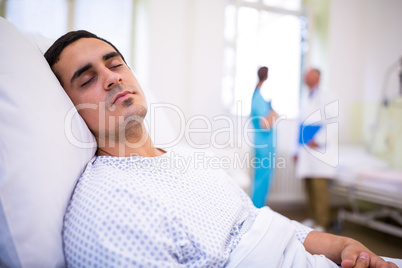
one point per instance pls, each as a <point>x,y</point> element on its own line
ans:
<point>49,18</point>
<point>263,33</point>
<point>111,20</point>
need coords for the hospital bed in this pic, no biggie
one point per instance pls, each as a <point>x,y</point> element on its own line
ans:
<point>364,177</point>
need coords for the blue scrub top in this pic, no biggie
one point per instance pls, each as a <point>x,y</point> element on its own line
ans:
<point>260,108</point>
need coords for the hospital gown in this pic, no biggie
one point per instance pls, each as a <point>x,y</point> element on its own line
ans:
<point>167,211</point>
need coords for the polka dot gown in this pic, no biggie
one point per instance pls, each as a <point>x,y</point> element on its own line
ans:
<point>167,211</point>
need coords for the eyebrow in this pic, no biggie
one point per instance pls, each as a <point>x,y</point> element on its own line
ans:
<point>110,55</point>
<point>83,69</point>
<point>80,71</point>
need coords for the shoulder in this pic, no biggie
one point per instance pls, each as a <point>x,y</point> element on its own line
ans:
<point>107,166</point>
<point>257,93</point>
<point>100,175</point>
<point>104,188</point>
<point>326,94</point>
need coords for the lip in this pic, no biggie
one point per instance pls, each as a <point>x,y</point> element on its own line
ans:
<point>121,96</point>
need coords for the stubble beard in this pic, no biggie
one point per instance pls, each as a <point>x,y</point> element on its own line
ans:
<point>128,102</point>
<point>133,127</point>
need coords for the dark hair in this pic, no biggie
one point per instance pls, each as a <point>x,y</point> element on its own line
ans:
<point>52,55</point>
<point>262,73</point>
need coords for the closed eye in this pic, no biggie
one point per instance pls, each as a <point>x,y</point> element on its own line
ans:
<point>87,82</point>
<point>116,66</point>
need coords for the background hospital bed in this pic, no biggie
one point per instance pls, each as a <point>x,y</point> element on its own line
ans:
<point>364,177</point>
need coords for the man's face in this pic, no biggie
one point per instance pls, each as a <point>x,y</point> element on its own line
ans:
<point>311,79</point>
<point>101,86</point>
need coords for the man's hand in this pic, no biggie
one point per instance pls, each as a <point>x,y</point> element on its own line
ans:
<point>352,256</point>
<point>346,251</point>
<point>362,261</point>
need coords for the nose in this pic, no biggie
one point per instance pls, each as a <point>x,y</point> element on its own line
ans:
<point>111,78</point>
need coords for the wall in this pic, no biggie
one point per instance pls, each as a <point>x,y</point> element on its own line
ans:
<point>2,8</point>
<point>365,41</point>
<point>183,56</point>
<point>186,43</point>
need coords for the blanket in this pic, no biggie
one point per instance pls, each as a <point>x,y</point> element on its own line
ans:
<point>271,243</point>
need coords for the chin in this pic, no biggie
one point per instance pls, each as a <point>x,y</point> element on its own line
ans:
<point>136,113</point>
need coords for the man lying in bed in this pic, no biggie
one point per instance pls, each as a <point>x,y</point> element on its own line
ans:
<point>133,207</point>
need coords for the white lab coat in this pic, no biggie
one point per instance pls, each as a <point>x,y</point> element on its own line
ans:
<point>320,108</point>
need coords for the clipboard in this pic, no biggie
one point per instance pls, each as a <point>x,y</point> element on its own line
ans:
<point>307,133</point>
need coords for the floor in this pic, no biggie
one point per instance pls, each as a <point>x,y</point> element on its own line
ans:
<point>381,243</point>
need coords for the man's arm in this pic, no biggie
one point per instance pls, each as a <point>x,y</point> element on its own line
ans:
<point>343,250</point>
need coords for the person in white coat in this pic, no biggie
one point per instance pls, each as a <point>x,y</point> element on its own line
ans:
<point>317,153</point>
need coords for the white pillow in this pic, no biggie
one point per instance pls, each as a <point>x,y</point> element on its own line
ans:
<point>39,165</point>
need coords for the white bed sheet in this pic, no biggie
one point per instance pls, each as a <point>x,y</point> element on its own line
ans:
<point>368,177</point>
<point>362,176</point>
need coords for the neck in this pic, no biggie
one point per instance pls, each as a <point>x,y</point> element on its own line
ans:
<point>314,87</point>
<point>128,144</point>
<point>259,85</point>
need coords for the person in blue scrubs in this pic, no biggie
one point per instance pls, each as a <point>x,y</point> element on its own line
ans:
<point>263,117</point>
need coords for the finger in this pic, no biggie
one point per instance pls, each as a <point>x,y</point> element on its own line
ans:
<point>379,262</point>
<point>363,260</point>
<point>349,259</point>
<point>347,264</point>
<point>387,265</point>
<point>392,265</point>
